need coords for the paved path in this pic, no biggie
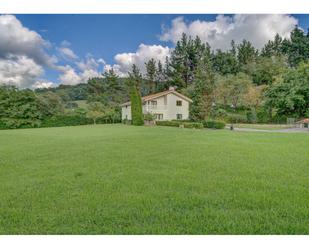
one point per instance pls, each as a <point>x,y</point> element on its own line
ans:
<point>289,130</point>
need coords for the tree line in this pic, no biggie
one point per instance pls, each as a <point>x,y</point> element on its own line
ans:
<point>239,84</point>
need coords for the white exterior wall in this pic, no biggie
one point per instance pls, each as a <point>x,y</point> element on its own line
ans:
<point>160,108</point>
<point>173,109</point>
<point>126,112</point>
<point>166,105</point>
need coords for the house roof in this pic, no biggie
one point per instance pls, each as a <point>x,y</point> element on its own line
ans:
<point>160,94</point>
<point>304,121</point>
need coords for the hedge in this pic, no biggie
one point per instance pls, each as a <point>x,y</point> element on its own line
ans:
<point>214,124</point>
<point>185,124</point>
<point>73,120</point>
<point>66,120</point>
<point>168,123</point>
<point>236,118</point>
<point>11,123</point>
<point>194,125</point>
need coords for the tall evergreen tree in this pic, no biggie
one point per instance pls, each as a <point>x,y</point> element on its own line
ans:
<point>112,88</point>
<point>134,83</point>
<point>151,75</point>
<point>204,85</point>
<point>184,60</point>
<point>225,62</point>
<point>273,48</point>
<point>246,53</point>
<point>297,47</point>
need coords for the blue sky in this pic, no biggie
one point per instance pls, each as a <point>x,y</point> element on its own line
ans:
<point>94,38</point>
<point>103,35</point>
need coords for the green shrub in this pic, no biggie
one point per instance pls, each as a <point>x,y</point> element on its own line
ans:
<point>251,116</point>
<point>126,121</point>
<point>15,123</point>
<point>236,118</point>
<point>149,117</point>
<point>66,120</point>
<point>2,125</point>
<point>194,125</point>
<point>214,124</point>
<point>219,113</point>
<point>168,123</point>
<point>262,116</point>
<point>219,125</point>
<point>182,120</point>
<point>185,124</point>
<point>209,124</point>
<point>55,121</point>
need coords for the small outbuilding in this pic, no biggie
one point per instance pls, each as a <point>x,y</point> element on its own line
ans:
<point>304,123</point>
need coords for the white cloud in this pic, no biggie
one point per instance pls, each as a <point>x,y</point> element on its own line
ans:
<point>43,84</point>
<point>116,68</point>
<point>86,69</point>
<point>23,53</point>
<point>65,43</point>
<point>67,53</point>
<point>23,57</point>
<point>89,63</point>
<point>20,71</point>
<point>256,28</point>
<point>144,53</point>
<point>69,76</point>
<point>19,40</point>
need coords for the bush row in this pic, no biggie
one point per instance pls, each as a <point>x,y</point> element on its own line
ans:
<point>73,120</point>
<point>55,121</point>
<point>11,123</point>
<point>186,124</point>
<point>248,116</point>
<point>214,124</point>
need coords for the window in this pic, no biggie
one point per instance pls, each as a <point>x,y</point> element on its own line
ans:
<point>178,103</point>
<point>158,116</point>
<point>179,116</point>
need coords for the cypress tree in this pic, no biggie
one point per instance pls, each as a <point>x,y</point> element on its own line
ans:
<point>135,79</point>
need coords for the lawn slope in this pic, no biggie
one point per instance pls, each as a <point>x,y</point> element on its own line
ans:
<point>116,179</point>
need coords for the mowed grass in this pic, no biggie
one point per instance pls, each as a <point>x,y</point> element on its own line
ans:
<point>117,179</point>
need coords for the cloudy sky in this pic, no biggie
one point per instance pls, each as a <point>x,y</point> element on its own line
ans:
<point>48,50</point>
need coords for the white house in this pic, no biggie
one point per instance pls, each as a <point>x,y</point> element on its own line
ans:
<point>167,105</point>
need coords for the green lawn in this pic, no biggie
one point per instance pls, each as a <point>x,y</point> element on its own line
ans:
<point>117,179</point>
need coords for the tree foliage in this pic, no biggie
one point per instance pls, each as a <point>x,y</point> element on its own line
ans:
<point>290,95</point>
<point>134,83</point>
<point>203,94</point>
<point>237,83</point>
<point>95,111</point>
<point>297,47</point>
